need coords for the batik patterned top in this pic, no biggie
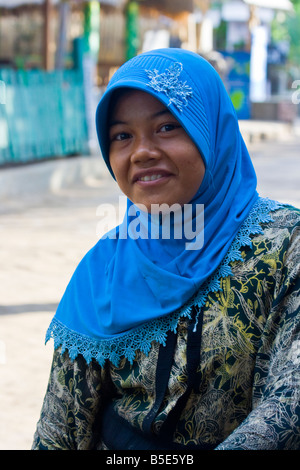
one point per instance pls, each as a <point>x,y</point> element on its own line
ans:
<point>245,392</point>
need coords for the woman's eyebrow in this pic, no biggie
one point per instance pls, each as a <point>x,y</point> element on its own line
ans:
<point>116,122</point>
<point>161,113</point>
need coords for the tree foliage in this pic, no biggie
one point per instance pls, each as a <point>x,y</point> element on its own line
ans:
<point>289,30</point>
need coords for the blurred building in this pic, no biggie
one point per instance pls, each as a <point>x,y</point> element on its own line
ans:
<point>81,43</point>
<point>257,70</point>
<point>56,58</point>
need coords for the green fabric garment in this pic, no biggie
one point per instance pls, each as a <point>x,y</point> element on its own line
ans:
<point>248,378</point>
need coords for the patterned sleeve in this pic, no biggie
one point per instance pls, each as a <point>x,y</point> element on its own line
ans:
<point>70,405</point>
<point>274,422</point>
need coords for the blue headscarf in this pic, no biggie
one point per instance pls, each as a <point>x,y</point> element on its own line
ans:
<point>125,292</point>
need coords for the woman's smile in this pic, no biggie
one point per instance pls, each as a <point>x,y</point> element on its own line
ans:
<point>153,159</point>
<point>151,176</point>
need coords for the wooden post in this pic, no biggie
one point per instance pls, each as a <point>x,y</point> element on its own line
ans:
<point>64,10</point>
<point>47,35</point>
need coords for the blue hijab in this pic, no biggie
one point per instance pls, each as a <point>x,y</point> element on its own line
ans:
<point>129,292</point>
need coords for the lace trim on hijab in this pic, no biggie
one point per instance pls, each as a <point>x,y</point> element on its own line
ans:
<point>141,338</point>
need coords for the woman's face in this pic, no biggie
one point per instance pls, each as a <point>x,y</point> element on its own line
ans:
<point>153,159</point>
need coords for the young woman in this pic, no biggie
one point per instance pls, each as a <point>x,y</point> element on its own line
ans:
<point>169,337</point>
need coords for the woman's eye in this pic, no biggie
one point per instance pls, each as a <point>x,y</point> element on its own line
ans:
<point>120,136</point>
<point>168,127</point>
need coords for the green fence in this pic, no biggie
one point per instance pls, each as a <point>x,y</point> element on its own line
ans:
<point>43,115</point>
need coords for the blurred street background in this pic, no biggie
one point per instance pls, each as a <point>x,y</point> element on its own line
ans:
<point>56,58</point>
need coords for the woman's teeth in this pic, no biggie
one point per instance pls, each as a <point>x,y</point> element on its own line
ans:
<point>150,178</point>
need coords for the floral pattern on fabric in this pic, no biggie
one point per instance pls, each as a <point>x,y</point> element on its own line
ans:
<point>168,82</point>
<point>247,392</point>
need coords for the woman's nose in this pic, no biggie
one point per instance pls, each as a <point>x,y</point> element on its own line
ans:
<point>144,150</point>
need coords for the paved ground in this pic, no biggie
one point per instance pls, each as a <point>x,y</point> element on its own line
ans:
<point>43,236</point>
<point>41,243</point>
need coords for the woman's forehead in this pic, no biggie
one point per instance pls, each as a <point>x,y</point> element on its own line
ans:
<point>127,100</point>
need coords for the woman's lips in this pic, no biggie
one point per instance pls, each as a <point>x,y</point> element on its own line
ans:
<point>151,177</point>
